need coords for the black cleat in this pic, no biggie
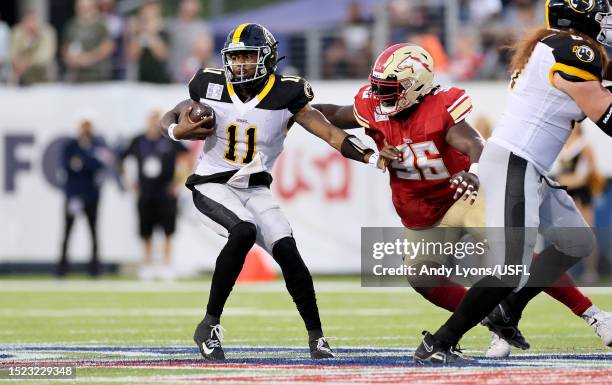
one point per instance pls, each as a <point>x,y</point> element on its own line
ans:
<point>432,351</point>
<point>319,348</point>
<point>502,322</point>
<point>209,338</point>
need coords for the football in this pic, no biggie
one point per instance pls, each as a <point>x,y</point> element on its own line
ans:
<point>200,111</point>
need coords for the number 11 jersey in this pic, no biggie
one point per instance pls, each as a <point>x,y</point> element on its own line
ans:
<point>420,184</point>
<point>247,133</point>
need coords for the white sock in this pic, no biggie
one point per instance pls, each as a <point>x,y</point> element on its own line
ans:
<point>590,312</point>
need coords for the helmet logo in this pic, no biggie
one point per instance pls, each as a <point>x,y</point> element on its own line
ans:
<point>407,63</point>
<point>581,6</point>
<point>584,53</point>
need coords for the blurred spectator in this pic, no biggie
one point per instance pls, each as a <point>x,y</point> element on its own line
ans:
<point>115,26</point>
<point>479,12</point>
<point>578,171</point>
<point>87,46</point>
<point>33,49</point>
<point>184,30</point>
<point>5,37</point>
<point>484,126</point>
<point>350,54</point>
<point>157,187</point>
<point>83,160</point>
<point>467,58</point>
<point>202,54</point>
<point>148,44</point>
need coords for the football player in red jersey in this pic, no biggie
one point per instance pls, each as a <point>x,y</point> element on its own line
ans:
<point>434,184</point>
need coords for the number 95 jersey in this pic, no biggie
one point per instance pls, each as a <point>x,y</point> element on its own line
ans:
<point>420,183</point>
<point>247,133</point>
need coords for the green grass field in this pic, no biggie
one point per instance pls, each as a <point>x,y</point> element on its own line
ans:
<point>41,319</point>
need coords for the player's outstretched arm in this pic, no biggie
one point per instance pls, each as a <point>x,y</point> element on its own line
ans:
<point>592,98</point>
<point>184,128</point>
<point>339,116</point>
<point>348,145</point>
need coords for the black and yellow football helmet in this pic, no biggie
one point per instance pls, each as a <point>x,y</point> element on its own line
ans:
<point>254,38</point>
<point>591,17</point>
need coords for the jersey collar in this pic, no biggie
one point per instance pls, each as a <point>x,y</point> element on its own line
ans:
<point>244,107</point>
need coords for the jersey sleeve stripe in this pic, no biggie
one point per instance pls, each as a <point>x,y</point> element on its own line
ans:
<point>457,102</point>
<point>362,121</point>
<point>461,109</point>
<point>570,70</point>
<point>463,116</point>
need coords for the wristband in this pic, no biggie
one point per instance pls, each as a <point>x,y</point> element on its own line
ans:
<point>171,132</point>
<point>473,169</point>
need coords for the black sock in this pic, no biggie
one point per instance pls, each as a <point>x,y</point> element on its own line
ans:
<point>544,271</point>
<point>298,281</point>
<point>477,303</point>
<point>229,264</point>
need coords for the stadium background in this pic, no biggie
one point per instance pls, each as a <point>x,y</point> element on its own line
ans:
<point>326,198</point>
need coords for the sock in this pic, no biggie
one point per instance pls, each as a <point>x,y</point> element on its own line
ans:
<point>477,303</point>
<point>545,270</point>
<point>298,281</point>
<point>565,291</point>
<point>229,263</point>
<point>447,296</point>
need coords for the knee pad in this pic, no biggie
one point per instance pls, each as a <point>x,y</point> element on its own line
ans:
<point>243,232</point>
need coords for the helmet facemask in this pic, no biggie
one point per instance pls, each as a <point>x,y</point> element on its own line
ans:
<point>605,35</point>
<point>390,95</point>
<point>241,77</point>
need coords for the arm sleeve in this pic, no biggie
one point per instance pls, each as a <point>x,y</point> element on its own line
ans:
<point>458,105</point>
<point>302,95</point>
<point>576,59</point>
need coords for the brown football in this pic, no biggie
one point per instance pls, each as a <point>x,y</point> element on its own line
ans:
<point>201,110</point>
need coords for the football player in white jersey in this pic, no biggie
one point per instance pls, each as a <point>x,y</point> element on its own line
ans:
<point>254,108</point>
<point>556,81</point>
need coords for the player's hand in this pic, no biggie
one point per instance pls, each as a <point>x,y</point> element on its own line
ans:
<point>386,155</point>
<point>466,184</point>
<point>186,129</point>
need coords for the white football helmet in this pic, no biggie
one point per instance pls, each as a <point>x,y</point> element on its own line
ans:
<point>401,76</point>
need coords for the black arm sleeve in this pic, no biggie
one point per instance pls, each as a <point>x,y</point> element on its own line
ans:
<point>605,122</point>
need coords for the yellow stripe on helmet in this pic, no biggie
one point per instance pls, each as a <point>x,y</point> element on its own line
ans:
<point>238,32</point>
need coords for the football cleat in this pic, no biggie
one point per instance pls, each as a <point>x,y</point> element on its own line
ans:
<point>499,347</point>
<point>319,348</point>
<point>601,323</point>
<point>503,323</point>
<point>209,338</point>
<point>432,351</point>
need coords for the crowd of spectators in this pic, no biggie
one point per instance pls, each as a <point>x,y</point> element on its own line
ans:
<point>480,46</point>
<point>101,44</point>
<point>144,44</point>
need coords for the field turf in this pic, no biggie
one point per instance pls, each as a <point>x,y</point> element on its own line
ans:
<point>119,331</point>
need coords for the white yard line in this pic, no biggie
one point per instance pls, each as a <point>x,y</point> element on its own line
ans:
<point>198,287</point>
